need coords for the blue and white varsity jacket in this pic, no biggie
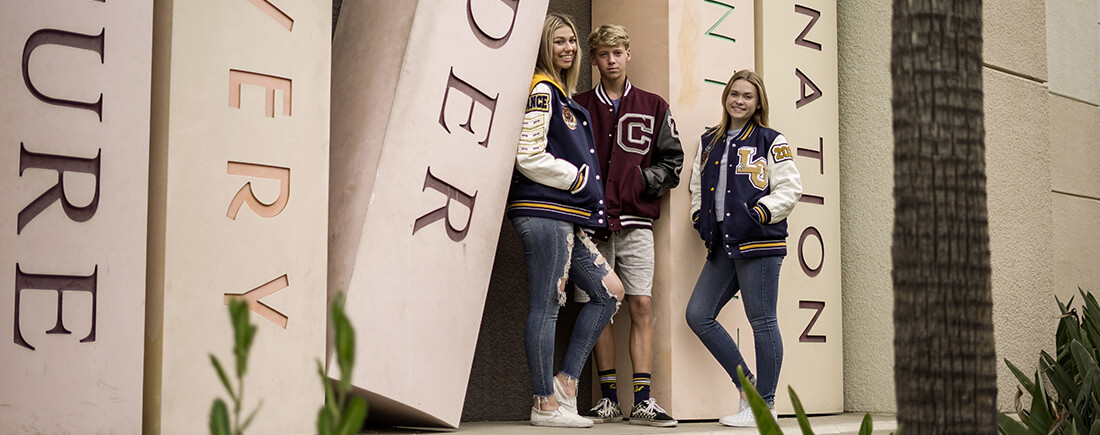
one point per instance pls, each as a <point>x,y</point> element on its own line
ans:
<point>762,188</point>
<point>557,173</point>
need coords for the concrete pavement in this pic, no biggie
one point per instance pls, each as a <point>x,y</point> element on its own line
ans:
<point>847,423</point>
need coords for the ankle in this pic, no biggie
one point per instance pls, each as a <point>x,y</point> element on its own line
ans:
<point>545,403</point>
<point>608,387</point>
<point>569,384</point>
<point>641,387</point>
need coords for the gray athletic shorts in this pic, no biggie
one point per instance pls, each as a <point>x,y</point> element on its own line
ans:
<point>630,253</point>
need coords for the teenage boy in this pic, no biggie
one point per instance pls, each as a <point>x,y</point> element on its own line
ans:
<point>640,154</point>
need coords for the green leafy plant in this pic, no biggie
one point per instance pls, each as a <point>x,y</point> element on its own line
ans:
<point>342,414</point>
<point>243,334</point>
<point>1072,372</point>
<point>766,423</point>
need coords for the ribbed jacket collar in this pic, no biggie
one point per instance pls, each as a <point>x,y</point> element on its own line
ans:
<point>540,77</point>
<point>602,95</point>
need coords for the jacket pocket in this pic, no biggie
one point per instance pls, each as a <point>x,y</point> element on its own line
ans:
<point>745,225</point>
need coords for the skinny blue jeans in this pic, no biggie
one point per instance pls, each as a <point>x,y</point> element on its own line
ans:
<point>557,251</point>
<point>757,279</point>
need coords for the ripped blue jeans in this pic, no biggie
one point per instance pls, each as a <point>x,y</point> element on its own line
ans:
<point>556,252</point>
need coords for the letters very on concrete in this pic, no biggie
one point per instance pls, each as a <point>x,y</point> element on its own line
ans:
<point>428,99</point>
<point>239,159</point>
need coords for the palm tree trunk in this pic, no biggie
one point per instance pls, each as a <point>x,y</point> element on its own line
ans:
<point>945,367</point>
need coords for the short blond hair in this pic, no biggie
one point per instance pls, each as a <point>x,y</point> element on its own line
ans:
<point>608,35</point>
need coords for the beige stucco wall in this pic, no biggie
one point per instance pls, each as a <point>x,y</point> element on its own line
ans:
<point>1018,167</point>
<point>1073,49</point>
<point>1014,38</point>
<point>1018,190</point>
<point>1074,132</point>
<point>866,209</point>
<point>1073,41</point>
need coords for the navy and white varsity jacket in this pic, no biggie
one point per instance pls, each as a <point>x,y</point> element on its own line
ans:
<point>639,151</point>
<point>557,174</point>
<point>762,187</point>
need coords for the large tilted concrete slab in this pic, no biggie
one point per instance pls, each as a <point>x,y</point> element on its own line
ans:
<point>74,129</point>
<point>686,52</point>
<point>428,98</point>
<point>238,208</point>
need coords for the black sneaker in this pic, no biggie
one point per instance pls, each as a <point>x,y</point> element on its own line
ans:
<point>647,412</point>
<point>605,411</point>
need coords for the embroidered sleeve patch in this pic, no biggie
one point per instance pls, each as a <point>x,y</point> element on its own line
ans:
<point>781,152</point>
<point>532,137</point>
<point>539,103</point>
<point>672,124</point>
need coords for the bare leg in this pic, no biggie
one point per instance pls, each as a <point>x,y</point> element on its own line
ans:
<point>604,352</point>
<point>641,333</point>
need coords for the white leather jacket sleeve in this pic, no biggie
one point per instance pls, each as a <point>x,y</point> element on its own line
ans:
<point>696,181</point>
<point>533,160</point>
<point>785,182</point>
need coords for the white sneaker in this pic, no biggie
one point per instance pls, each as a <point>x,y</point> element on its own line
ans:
<point>557,418</point>
<point>743,417</point>
<point>568,403</point>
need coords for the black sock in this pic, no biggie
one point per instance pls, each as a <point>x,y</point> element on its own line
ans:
<point>641,387</point>
<point>607,385</point>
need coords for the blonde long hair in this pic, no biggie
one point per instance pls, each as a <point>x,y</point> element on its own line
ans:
<point>760,117</point>
<point>568,78</point>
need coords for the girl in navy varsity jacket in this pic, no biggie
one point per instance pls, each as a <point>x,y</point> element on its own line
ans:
<point>743,186</point>
<point>555,194</point>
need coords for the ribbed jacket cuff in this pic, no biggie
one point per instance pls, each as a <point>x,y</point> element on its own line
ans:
<point>762,213</point>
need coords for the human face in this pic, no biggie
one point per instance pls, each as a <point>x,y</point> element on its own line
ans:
<point>565,47</point>
<point>611,61</point>
<point>741,102</point>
